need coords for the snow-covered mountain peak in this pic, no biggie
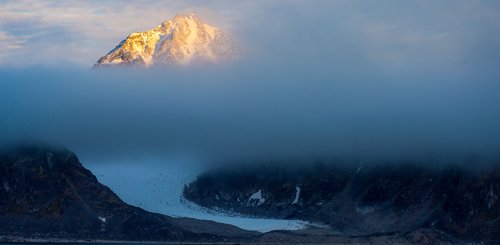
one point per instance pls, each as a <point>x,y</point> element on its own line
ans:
<point>179,41</point>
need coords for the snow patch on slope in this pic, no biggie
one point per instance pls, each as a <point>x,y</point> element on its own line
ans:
<point>256,198</point>
<point>102,219</point>
<point>297,195</point>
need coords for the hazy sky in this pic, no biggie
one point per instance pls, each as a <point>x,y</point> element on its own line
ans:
<point>393,34</point>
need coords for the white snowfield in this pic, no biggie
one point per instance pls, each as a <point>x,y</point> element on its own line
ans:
<point>157,186</point>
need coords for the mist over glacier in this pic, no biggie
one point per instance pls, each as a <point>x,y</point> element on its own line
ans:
<point>146,133</point>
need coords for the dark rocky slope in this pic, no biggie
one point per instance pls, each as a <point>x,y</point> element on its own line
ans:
<point>371,200</point>
<point>46,193</point>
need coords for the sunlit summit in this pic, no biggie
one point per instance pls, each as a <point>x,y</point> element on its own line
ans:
<point>180,41</point>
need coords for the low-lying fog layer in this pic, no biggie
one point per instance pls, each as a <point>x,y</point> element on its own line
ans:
<point>244,113</point>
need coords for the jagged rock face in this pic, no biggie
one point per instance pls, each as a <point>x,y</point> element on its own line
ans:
<point>362,200</point>
<point>180,41</point>
<point>46,193</point>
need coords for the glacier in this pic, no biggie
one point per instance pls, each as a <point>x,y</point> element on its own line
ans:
<point>157,186</point>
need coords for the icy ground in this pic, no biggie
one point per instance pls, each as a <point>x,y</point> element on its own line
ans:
<point>157,186</point>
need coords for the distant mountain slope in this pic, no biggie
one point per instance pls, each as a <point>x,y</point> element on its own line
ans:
<point>45,193</point>
<point>180,41</point>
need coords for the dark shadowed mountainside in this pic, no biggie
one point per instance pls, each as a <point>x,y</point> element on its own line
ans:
<point>364,200</point>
